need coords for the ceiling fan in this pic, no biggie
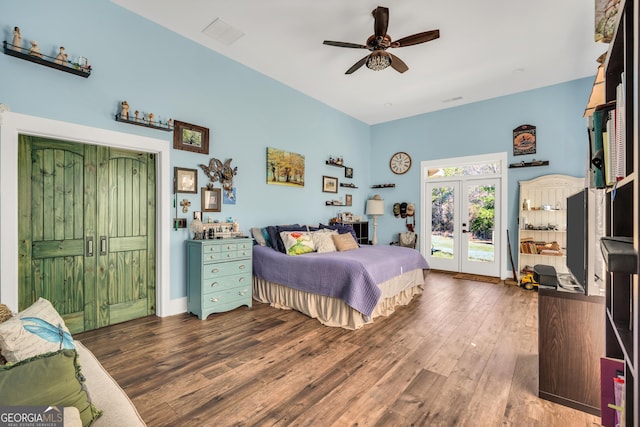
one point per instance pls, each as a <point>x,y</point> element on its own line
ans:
<point>380,41</point>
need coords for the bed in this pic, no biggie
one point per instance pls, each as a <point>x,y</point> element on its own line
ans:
<point>347,289</point>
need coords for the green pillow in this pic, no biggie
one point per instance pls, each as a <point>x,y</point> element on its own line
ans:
<point>50,379</point>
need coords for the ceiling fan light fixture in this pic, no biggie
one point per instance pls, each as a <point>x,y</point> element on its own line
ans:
<point>378,60</point>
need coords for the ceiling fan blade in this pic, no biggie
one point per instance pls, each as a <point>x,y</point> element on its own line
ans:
<point>344,44</point>
<point>381,21</point>
<point>397,63</point>
<point>416,38</point>
<point>357,65</point>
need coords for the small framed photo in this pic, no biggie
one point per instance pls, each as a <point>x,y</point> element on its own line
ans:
<point>211,199</point>
<point>329,184</point>
<point>185,180</point>
<point>348,172</point>
<point>190,137</point>
<point>348,200</point>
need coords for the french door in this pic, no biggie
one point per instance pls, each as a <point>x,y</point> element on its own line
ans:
<point>86,229</point>
<point>462,216</point>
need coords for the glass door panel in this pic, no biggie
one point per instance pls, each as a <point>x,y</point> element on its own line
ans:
<point>477,237</point>
<point>443,214</point>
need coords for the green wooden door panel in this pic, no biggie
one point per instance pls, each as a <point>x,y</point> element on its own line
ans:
<point>70,193</point>
<point>57,248</point>
<point>134,243</point>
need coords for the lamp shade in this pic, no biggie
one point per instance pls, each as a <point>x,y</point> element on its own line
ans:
<point>375,206</point>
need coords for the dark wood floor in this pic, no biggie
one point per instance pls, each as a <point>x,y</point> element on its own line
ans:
<point>462,354</point>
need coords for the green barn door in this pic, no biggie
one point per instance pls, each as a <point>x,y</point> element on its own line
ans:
<point>66,192</point>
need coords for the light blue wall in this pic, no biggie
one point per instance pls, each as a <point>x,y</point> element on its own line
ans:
<point>480,128</point>
<point>156,70</point>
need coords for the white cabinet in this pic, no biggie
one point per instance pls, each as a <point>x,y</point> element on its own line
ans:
<point>542,225</point>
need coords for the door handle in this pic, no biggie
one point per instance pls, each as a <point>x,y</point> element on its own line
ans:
<point>103,245</point>
<point>90,246</point>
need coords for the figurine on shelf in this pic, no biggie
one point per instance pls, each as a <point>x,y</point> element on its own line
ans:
<point>61,58</point>
<point>124,113</point>
<point>35,50</point>
<point>150,118</point>
<point>170,124</point>
<point>137,114</point>
<point>17,39</point>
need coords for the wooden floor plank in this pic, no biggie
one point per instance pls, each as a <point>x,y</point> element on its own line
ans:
<point>463,353</point>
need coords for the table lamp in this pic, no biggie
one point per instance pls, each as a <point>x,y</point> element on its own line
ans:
<point>375,208</point>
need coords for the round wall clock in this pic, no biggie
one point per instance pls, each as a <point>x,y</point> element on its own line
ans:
<point>400,163</point>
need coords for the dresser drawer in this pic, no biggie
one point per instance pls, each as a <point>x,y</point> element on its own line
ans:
<point>226,282</point>
<point>226,255</point>
<point>211,271</point>
<point>220,298</point>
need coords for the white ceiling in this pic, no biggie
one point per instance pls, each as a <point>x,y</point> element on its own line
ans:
<point>486,48</point>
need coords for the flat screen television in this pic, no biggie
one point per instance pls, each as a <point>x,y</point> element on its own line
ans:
<point>577,237</point>
<point>585,227</point>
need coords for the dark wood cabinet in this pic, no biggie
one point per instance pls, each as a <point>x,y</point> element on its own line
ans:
<point>570,345</point>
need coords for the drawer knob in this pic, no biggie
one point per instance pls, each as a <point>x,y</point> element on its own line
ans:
<point>241,279</point>
<point>214,284</point>
<point>242,267</point>
<point>229,255</point>
<point>214,299</point>
<point>242,293</point>
<point>215,270</point>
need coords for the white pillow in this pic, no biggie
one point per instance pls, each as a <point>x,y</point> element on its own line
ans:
<point>323,241</point>
<point>36,330</point>
<point>297,242</point>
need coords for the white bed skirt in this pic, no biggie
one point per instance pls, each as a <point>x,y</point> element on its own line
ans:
<point>333,311</point>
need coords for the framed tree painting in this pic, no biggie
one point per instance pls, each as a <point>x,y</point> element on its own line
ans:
<point>285,168</point>
<point>190,137</point>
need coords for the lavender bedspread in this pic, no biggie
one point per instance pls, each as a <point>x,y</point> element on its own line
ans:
<point>352,276</point>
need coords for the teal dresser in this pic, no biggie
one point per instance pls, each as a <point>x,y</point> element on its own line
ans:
<point>218,275</point>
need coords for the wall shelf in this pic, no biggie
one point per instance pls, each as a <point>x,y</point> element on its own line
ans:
<point>335,164</point>
<point>529,164</point>
<point>342,184</point>
<point>47,61</point>
<point>160,126</point>
<point>383,186</point>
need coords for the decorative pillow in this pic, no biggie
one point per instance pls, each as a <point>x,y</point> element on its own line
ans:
<point>276,240</point>
<point>323,240</point>
<point>258,236</point>
<point>297,242</point>
<point>36,330</point>
<point>341,228</point>
<point>344,242</point>
<point>52,379</point>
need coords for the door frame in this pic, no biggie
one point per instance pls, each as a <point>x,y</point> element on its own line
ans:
<point>14,124</point>
<point>500,158</point>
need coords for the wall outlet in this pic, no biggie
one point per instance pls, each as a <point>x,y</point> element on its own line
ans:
<point>179,223</point>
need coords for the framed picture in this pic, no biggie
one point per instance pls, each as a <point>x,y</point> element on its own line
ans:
<point>190,137</point>
<point>348,172</point>
<point>329,184</point>
<point>285,168</point>
<point>185,180</point>
<point>348,200</point>
<point>211,199</point>
<point>524,140</point>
